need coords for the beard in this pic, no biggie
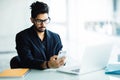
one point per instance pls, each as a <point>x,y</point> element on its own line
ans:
<point>40,29</point>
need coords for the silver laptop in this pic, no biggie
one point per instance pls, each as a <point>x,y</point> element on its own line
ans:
<point>94,58</point>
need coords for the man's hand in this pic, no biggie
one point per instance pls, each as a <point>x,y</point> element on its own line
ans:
<point>56,63</point>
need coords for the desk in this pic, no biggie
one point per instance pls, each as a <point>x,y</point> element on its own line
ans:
<point>52,74</point>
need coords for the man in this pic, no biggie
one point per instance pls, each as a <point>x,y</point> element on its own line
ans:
<point>36,46</point>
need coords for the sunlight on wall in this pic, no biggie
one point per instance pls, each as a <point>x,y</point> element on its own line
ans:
<point>88,10</point>
<point>81,11</point>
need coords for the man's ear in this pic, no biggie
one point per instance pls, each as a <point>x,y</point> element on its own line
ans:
<point>32,20</point>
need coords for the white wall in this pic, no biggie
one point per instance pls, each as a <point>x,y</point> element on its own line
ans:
<point>81,11</point>
<point>14,16</point>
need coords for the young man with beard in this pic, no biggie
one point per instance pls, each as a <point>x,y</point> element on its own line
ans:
<point>36,46</point>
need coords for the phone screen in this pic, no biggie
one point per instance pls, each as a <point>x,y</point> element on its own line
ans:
<point>61,54</point>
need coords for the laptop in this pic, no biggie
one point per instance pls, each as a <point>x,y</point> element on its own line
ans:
<point>94,58</point>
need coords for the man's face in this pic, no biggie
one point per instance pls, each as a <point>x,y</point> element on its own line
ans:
<point>40,22</point>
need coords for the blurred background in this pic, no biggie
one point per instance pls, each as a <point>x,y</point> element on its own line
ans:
<point>78,22</point>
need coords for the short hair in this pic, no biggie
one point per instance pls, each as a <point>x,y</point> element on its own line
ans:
<point>38,8</point>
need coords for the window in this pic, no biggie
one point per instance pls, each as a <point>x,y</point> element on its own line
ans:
<point>58,15</point>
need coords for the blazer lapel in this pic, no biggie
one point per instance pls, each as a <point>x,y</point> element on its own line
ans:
<point>49,44</point>
<point>48,39</point>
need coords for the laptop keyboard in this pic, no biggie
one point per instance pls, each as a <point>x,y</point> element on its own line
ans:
<point>76,70</point>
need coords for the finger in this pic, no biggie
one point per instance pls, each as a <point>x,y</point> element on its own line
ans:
<point>63,58</point>
<point>53,57</point>
<point>61,62</point>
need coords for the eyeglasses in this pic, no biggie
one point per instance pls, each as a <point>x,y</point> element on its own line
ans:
<point>39,21</point>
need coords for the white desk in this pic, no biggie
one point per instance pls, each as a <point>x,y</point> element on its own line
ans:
<point>54,75</point>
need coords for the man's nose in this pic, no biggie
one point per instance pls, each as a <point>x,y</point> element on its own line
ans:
<point>42,23</point>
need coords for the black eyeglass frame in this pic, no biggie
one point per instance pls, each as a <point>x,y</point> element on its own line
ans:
<point>39,21</point>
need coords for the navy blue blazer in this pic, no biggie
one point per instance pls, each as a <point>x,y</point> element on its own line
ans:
<point>30,49</point>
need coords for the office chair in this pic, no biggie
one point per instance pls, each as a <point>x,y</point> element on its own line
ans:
<point>15,62</point>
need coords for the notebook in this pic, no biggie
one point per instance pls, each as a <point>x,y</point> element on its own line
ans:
<point>94,58</point>
<point>18,72</point>
<point>112,69</point>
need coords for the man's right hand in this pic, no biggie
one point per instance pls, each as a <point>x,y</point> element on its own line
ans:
<point>56,63</point>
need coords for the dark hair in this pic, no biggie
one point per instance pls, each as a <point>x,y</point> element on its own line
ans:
<point>38,8</point>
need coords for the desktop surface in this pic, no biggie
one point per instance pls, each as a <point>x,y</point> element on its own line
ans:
<point>52,74</point>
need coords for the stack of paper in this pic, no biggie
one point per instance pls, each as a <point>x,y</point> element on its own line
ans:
<point>14,72</point>
<point>112,69</point>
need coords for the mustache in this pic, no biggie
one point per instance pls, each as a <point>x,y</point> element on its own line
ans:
<point>42,27</point>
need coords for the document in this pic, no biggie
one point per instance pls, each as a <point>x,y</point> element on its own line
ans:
<point>18,72</point>
<point>112,69</point>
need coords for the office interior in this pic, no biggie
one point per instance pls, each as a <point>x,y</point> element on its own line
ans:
<point>80,23</point>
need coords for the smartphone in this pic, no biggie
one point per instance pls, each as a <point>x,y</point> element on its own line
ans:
<point>61,54</point>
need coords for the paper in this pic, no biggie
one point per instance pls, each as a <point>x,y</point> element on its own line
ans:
<point>112,69</point>
<point>19,72</point>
